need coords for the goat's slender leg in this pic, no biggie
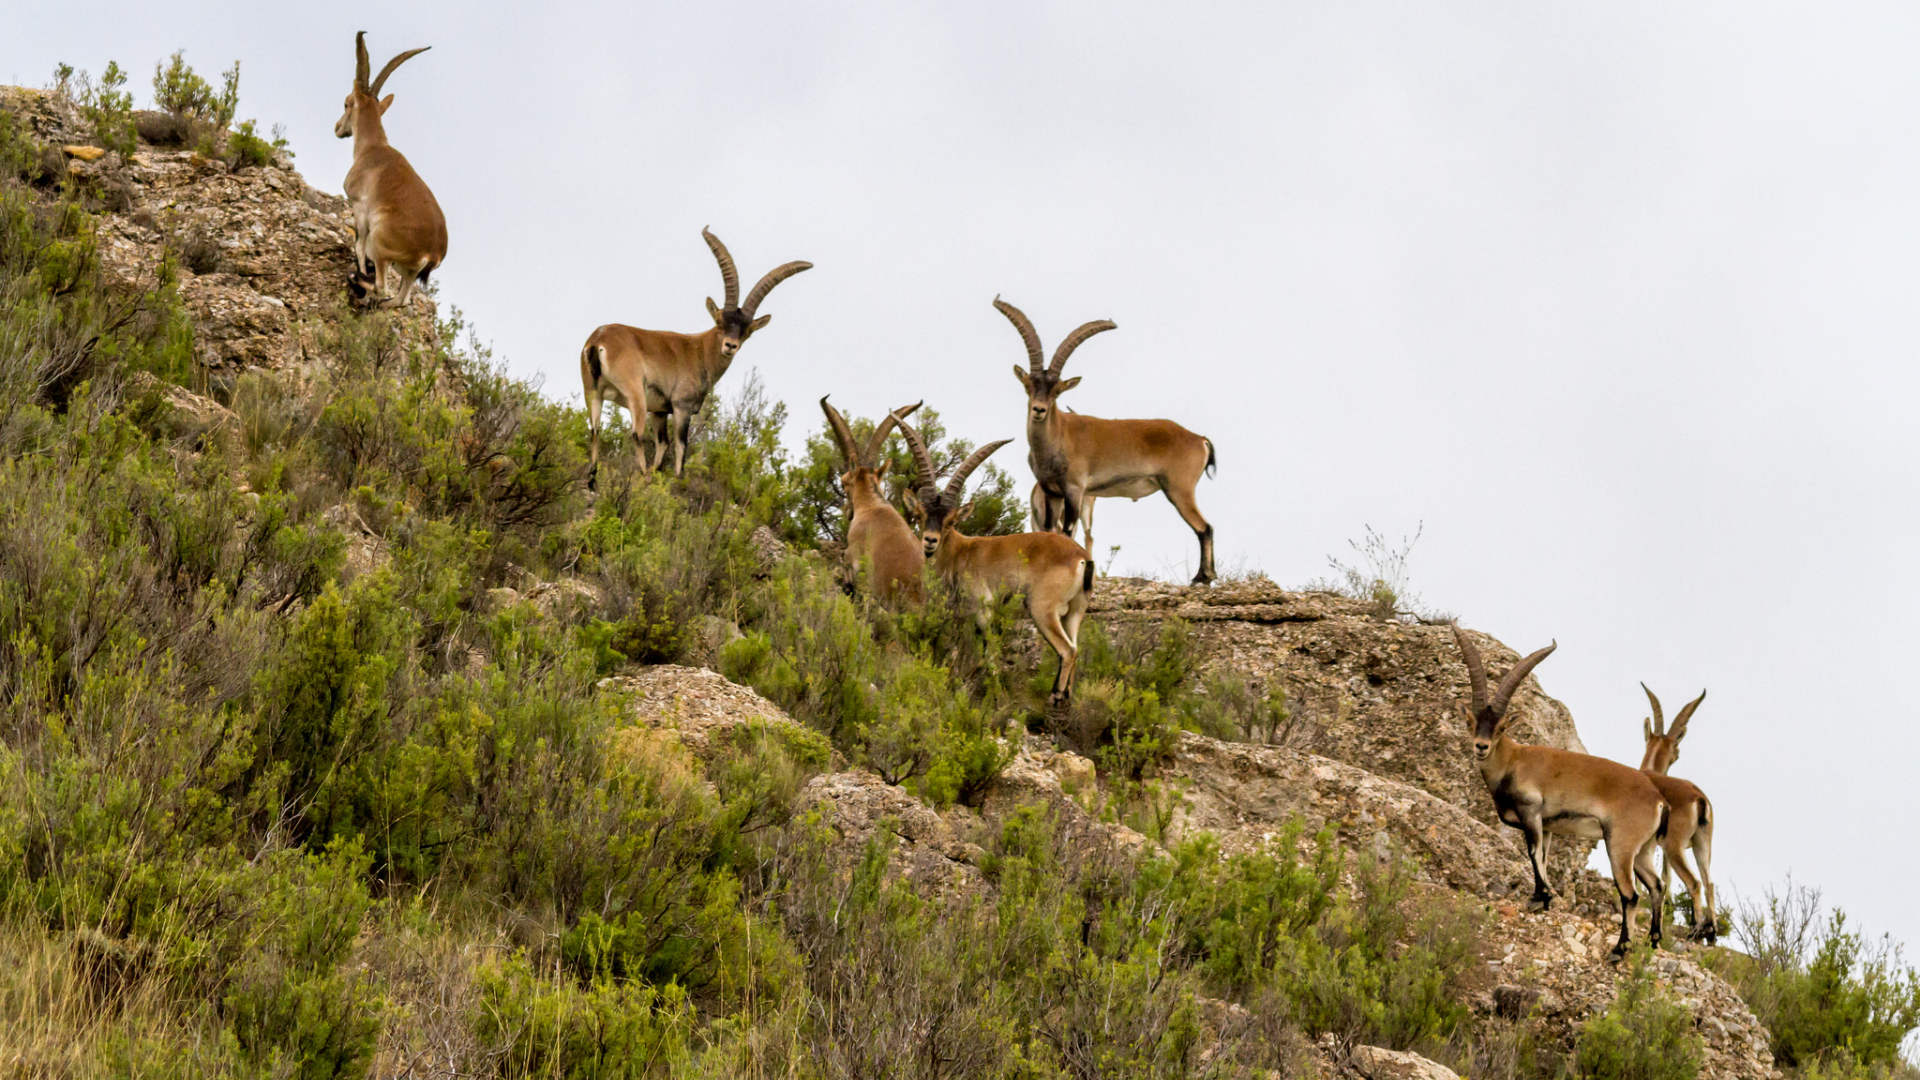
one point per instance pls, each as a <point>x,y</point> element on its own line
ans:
<point>1645,873</point>
<point>1536,834</point>
<point>1183,501</point>
<point>1623,885</point>
<point>1706,926</point>
<point>682,427</point>
<point>593,437</point>
<point>1086,522</point>
<point>1047,619</point>
<point>657,425</point>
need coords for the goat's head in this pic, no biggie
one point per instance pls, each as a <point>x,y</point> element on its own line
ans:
<point>735,320</point>
<point>1663,742</point>
<point>366,95</point>
<point>1044,384</point>
<point>862,472</point>
<point>1487,719</point>
<point>933,510</point>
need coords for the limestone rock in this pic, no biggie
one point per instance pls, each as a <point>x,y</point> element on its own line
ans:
<point>928,850</point>
<point>1376,1063</point>
<point>1245,794</point>
<point>705,708</point>
<point>1376,694</point>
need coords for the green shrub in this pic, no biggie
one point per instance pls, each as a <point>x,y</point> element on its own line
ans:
<point>178,89</point>
<point>1829,995</point>
<point>545,1026</point>
<point>1643,1036</point>
<point>107,107</point>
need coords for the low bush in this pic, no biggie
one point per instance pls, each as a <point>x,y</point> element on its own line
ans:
<point>1832,998</point>
<point>1643,1035</point>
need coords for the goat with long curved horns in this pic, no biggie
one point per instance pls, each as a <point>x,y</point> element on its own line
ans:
<point>1076,458</point>
<point>666,377</point>
<point>1691,826</point>
<point>396,221</point>
<point>1542,790</point>
<point>1054,573</point>
<point>881,548</point>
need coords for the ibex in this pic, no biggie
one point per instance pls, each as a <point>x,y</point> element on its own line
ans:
<point>1691,827</point>
<point>880,545</point>
<point>396,222</point>
<point>1054,573</point>
<point>1541,790</point>
<point>665,376</point>
<point>1076,457</point>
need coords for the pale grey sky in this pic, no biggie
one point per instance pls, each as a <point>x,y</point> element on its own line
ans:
<point>1622,301</point>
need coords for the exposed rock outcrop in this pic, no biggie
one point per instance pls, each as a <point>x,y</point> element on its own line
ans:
<point>1377,694</point>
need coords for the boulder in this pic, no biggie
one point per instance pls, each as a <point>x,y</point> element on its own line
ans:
<point>1376,1063</point>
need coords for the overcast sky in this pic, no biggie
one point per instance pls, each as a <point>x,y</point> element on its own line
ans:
<point>1622,301</point>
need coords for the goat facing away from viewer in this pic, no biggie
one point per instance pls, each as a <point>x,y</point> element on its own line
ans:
<point>1542,790</point>
<point>662,378</point>
<point>396,221</point>
<point>882,549</point>
<point>1076,458</point>
<point>1691,824</point>
<point>1054,573</point>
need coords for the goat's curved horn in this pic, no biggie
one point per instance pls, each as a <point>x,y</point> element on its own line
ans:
<point>958,481</point>
<point>1073,340</point>
<point>1476,671</point>
<point>841,433</point>
<point>922,461</point>
<point>1511,680</point>
<point>774,277</point>
<point>362,67</point>
<point>1659,718</point>
<point>1686,713</point>
<point>1027,333</point>
<point>728,275</point>
<point>879,438</point>
<point>381,80</point>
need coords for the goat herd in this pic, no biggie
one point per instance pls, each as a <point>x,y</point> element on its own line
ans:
<point>665,377</point>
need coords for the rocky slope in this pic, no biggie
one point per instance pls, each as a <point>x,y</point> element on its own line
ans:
<point>1377,754</point>
<point>260,255</point>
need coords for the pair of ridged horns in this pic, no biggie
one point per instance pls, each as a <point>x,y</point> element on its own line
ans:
<point>1495,705</point>
<point>923,462</point>
<point>362,66</point>
<point>850,448</point>
<point>1679,722</point>
<point>1032,337</point>
<point>731,277</point>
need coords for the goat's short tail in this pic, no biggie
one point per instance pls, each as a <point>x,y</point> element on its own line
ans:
<point>1665,814</point>
<point>1086,577</point>
<point>592,357</point>
<point>1703,815</point>
<point>1210,459</point>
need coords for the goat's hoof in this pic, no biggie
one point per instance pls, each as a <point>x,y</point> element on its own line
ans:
<point>1057,700</point>
<point>1203,578</point>
<point>1539,902</point>
<point>1618,954</point>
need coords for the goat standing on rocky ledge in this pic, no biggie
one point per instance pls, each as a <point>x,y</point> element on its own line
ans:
<point>396,221</point>
<point>1691,827</point>
<point>1076,458</point>
<point>665,377</point>
<point>1542,790</point>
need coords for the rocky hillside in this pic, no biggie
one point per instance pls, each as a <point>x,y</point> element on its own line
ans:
<point>1372,750</point>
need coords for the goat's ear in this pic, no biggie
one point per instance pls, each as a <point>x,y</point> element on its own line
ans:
<point>1021,374</point>
<point>881,472</point>
<point>385,104</point>
<point>1066,385</point>
<point>1466,717</point>
<point>1646,726</point>
<point>965,512</point>
<point>759,322</point>
<point>713,309</point>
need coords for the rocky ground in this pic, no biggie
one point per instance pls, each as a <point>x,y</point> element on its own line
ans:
<point>260,255</point>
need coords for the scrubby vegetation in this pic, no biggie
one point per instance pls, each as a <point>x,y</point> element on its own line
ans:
<point>304,770</point>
